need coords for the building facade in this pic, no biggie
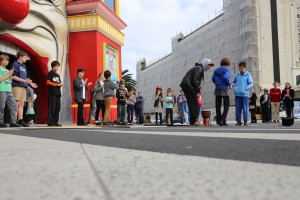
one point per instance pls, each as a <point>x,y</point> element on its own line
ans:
<point>264,34</point>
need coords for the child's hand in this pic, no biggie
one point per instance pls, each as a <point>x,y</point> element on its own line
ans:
<point>11,71</point>
<point>33,85</point>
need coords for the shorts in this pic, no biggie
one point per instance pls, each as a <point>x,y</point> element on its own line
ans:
<point>19,93</point>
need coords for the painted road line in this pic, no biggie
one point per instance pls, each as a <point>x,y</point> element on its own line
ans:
<point>270,136</point>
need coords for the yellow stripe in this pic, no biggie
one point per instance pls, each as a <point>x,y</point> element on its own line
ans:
<point>88,105</point>
<point>95,22</point>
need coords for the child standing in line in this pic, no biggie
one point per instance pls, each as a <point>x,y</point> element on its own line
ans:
<point>54,84</point>
<point>92,107</point>
<point>200,104</point>
<point>158,104</point>
<point>121,103</point>
<point>30,114</point>
<point>130,106</point>
<point>6,96</point>
<point>184,107</point>
<point>109,88</point>
<point>169,106</point>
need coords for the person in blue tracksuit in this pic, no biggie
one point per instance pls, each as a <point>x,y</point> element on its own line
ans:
<point>242,83</point>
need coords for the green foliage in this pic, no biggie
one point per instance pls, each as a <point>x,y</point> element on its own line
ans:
<point>130,82</point>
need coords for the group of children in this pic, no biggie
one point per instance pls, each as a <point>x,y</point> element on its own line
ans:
<point>170,101</point>
<point>101,99</point>
<point>7,98</point>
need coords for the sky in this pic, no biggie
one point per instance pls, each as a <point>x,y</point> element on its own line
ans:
<point>151,24</point>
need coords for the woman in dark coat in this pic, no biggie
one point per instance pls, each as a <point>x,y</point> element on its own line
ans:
<point>287,97</point>
<point>252,107</point>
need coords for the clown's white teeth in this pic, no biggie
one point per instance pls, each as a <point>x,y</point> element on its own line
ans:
<point>8,48</point>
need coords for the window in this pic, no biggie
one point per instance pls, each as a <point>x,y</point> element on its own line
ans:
<point>110,4</point>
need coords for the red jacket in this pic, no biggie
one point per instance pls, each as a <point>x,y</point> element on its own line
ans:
<point>275,94</point>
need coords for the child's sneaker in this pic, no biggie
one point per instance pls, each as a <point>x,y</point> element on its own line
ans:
<point>3,125</point>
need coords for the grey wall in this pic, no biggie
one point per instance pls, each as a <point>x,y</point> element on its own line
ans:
<point>232,34</point>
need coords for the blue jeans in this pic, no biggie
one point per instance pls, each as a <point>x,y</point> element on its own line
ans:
<point>130,110</point>
<point>241,104</point>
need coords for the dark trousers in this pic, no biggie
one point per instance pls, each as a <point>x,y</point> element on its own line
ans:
<point>253,117</point>
<point>54,109</point>
<point>99,105</point>
<point>222,117</point>
<point>169,113</point>
<point>140,116</point>
<point>289,111</point>
<point>160,118</point>
<point>130,109</point>
<point>266,113</point>
<point>194,108</point>
<point>80,118</point>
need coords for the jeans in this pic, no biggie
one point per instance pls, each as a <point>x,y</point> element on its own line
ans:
<point>130,110</point>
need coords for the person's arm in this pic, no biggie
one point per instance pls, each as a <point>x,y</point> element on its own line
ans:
<point>283,94</point>
<point>265,99</point>
<point>292,93</point>
<point>77,83</point>
<point>213,78</point>
<point>197,78</point>
<point>133,99</point>
<point>227,78</point>
<point>97,87</point>
<point>119,97</point>
<point>113,85</point>
<point>3,78</point>
<point>234,81</point>
<point>250,82</point>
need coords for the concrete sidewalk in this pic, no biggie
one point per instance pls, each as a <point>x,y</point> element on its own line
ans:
<point>44,169</point>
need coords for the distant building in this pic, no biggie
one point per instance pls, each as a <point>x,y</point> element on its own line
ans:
<point>264,34</point>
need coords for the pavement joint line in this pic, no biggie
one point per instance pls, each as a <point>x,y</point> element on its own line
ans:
<point>99,179</point>
<point>261,136</point>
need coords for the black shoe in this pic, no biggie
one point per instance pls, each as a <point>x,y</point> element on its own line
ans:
<point>245,124</point>
<point>14,125</point>
<point>81,124</point>
<point>224,123</point>
<point>239,124</point>
<point>105,124</point>
<point>3,125</point>
<point>220,123</point>
<point>57,124</point>
<point>51,124</point>
<point>23,123</point>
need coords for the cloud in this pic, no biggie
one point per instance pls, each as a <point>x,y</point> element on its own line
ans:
<point>153,23</point>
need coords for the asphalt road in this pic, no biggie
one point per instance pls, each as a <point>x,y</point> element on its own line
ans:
<point>254,144</point>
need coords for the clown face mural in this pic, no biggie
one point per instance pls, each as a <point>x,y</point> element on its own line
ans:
<point>40,29</point>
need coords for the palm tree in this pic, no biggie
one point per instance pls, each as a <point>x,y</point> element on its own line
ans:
<point>130,82</point>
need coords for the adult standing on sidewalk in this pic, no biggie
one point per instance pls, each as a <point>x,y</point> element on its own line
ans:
<point>20,83</point>
<point>287,96</point>
<point>275,95</point>
<point>190,85</point>
<point>265,106</point>
<point>252,107</point>
<point>54,84</point>
<point>242,83</point>
<point>80,94</point>
<point>221,78</point>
